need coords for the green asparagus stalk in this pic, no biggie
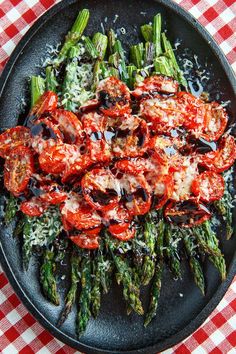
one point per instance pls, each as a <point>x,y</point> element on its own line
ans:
<point>96,74</point>
<point>100,42</point>
<point>136,55</point>
<point>157,34</point>
<point>70,75</point>
<point>148,268</point>
<point>114,60</point>
<point>51,81</point>
<point>130,290</point>
<point>131,70</point>
<point>195,265</point>
<point>223,207</point>
<point>111,41</point>
<point>105,267</point>
<point>171,252</point>
<point>113,72</point>
<point>19,228</point>
<point>90,47</point>
<point>122,64</point>
<point>206,243</point>
<point>71,295</point>
<point>85,296</point>
<point>75,34</point>
<point>217,260</point>
<point>156,284</point>
<point>149,53</point>
<point>47,277</point>
<point>162,66</point>
<point>37,88</point>
<point>170,54</point>
<point>11,209</point>
<point>27,248</point>
<point>96,287</point>
<point>147,32</point>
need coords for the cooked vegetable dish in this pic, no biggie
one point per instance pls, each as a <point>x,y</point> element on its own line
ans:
<point>119,166</point>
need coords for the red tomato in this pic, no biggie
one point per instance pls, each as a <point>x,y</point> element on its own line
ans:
<point>72,171</point>
<point>135,194</point>
<point>94,231</point>
<point>18,168</point>
<point>133,166</point>
<point>69,125</point>
<point>215,119</point>
<point>53,194</point>
<point>131,136</point>
<point>100,189</point>
<point>98,147</point>
<point>66,225</point>
<point>46,103</point>
<point>54,159</point>
<point>221,159</point>
<point>208,186</point>
<point>118,219</point>
<point>114,97</point>
<point>85,241</point>
<point>33,207</point>
<point>162,188</point>
<point>125,235</point>
<point>44,134</point>
<point>12,138</point>
<point>163,114</point>
<point>187,214</point>
<point>89,106</point>
<point>80,214</point>
<point>156,84</point>
<point>194,112</point>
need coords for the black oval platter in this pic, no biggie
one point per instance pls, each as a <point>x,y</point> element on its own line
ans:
<point>178,316</point>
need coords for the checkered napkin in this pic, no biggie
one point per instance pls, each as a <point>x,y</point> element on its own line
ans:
<point>19,331</point>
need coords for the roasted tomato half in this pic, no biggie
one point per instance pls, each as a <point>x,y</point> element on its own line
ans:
<point>54,159</point>
<point>69,125</point>
<point>79,213</point>
<point>12,138</point>
<point>117,219</point>
<point>33,207</point>
<point>98,146</point>
<point>154,85</point>
<point>130,136</point>
<point>86,241</point>
<point>100,189</point>
<point>114,97</point>
<point>221,159</point>
<point>215,119</point>
<point>53,194</point>
<point>126,235</point>
<point>18,168</point>
<point>135,194</point>
<point>46,103</point>
<point>44,134</point>
<point>187,213</point>
<point>162,188</point>
<point>208,186</point>
<point>163,114</point>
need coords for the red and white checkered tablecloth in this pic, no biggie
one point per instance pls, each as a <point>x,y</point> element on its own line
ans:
<point>19,331</point>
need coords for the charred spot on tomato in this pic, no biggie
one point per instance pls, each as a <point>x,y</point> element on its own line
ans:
<point>96,136</point>
<point>103,198</point>
<point>126,197</point>
<point>44,130</point>
<point>108,101</point>
<point>121,133</point>
<point>141,193</point>
<point>140,135</point>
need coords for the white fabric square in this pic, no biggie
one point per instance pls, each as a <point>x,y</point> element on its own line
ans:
<point>13,14</point>
<point>195,12</point>
<point>13,317</point>
<point>28,336</point>
<point>227,15</point>
<point>217,337</point>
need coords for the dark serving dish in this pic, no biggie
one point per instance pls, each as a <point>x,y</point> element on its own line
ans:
<point>178,316</point>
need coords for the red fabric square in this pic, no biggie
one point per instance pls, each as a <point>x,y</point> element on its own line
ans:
<point>11,31</point>
<point>45,337</point>
<point>13,299</point>
<point>200,335</point>
<point>15,2</point>
<point>2,315</point>
<point>61,351</point>
<point>232,339</point>
<point>29,320</point>
<point>182,349</point>
<point>225,32</point>
<point>210,14</point>
<point>26,350</point>
<point>1,13</point>
<point>215,351</point>
<point>229,2</point>
<point>29,16</point>
<point>47,3</point>
<point>233,304</point>
<point>11,334</point>
<point>218,320</point>
<point>3,281</point>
